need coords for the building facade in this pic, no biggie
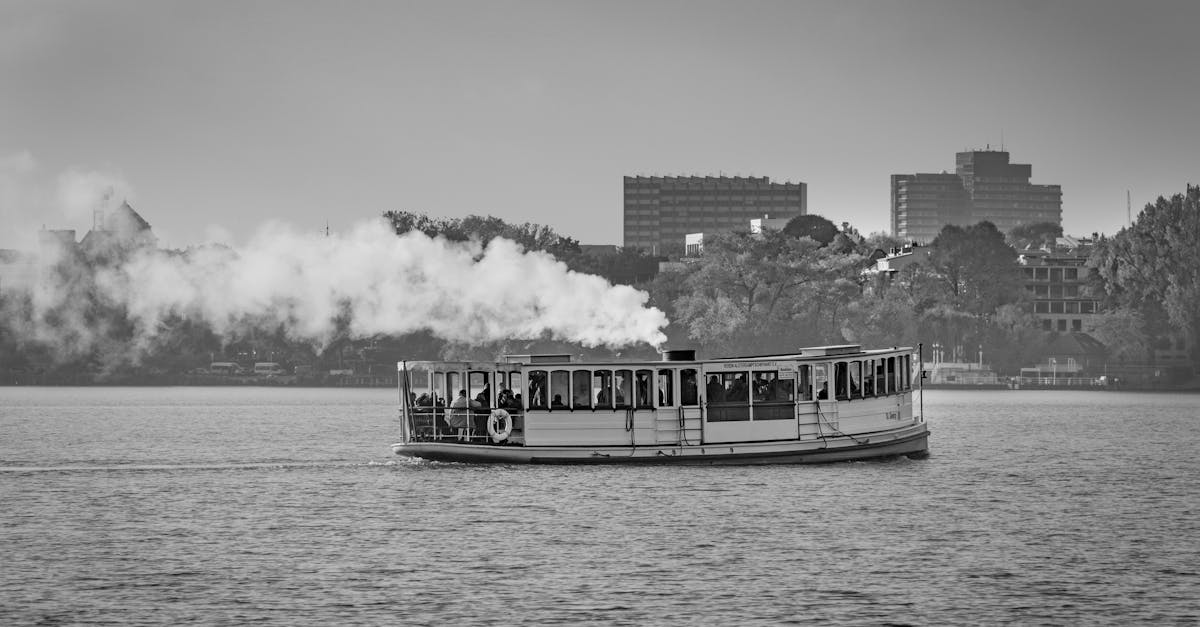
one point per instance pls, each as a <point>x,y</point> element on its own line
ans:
<point>661,210</point>
<point>1001,193</point>
<point>923,203</point>
<point>1056,280</point>
<point>984,186</point>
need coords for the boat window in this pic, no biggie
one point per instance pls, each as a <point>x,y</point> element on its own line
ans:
<point>623,388</point>
<point>772,396</point>
<point>869,377</point>
<point>454,383</point>
<point>508,390</point>
<point>714,391</point>
<point>689,393</point>
<point>478,389</point>
<point>891,375</point>
<point>437,387</point>
<point>841,383</point>
<point>643,388</point>
<point>907,370</point>
<point>769,387</point>
<point>764,383</point>
<point>805,383</point>
<point>602,385</point>
<point>856,379</point>
<point>581,389</point>
<point>821,380</point>
<point>514,389</point>
<point>737,387</point>
<point>880,377</point>
<point>560,389</point>
<point>732,391</point>
<point>666,387</point>
<point>538,398</point>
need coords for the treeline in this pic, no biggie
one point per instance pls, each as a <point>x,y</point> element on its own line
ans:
<point>746,294</point>
<point>803,286</point>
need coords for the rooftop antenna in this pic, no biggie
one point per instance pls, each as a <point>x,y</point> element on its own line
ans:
<point>1001,140</point>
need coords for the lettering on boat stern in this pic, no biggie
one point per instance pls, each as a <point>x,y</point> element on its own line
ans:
<point>893,415</point>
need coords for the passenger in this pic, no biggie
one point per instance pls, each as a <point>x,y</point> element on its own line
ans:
<point>537,396</point>
<point>823,394</point>
<point>782,390</point>
<point>423,400</point>
<point>484,398</point>
<point>602,398</point>
<point>558,403</point>
<point>714,390</point>
<point>505,399</point>
<point>460,414</point>
<point>738,391</point>
<point>687,391</point>
<point>517,402</point>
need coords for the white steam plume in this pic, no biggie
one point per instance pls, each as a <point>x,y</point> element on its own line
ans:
<point>378,283</point>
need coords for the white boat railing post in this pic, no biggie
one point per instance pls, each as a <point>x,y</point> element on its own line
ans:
<point>405,426</point>
<point>921,380</point>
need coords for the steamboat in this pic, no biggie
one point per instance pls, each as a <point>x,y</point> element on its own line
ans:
<point>816,405</point>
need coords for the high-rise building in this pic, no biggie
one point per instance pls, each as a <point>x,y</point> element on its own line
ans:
<point>923,203</point>
<point>1001,192</point>
<point>661,210</point>
<point>985,186</point>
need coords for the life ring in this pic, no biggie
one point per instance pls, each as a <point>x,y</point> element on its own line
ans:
<point>499,425</point>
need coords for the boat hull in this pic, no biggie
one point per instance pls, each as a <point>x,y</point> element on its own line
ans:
<point>912,441</point>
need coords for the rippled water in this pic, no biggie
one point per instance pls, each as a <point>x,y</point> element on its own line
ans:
<point>283,506</point>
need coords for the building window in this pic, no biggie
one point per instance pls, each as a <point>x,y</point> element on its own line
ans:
<point>1077,325</point>
<point>1062,324</point>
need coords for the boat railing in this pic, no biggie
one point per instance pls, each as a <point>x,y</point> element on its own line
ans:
<point>434,423</point>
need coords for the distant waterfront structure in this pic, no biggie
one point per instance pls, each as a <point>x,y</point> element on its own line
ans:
<point>984,186</point>
<point>1056,278</point>
<point>113,233</point>
<point>661,210</point>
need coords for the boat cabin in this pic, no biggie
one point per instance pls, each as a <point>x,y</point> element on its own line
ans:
<point>555,401</point>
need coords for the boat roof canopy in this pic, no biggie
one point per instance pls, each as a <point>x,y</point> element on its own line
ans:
<point>514,362</point>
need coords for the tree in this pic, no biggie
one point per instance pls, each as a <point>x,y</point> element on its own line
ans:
<point>979,270</point>
<point>814,226</point>
<point>750,293</point>
<point>1034,234</point>
<point>1122,332</point>
<point>1153,267</point>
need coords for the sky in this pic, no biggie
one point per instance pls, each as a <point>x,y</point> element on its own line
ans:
<point>216,118</point>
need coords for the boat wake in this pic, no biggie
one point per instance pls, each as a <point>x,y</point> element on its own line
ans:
<point>218,466</point>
